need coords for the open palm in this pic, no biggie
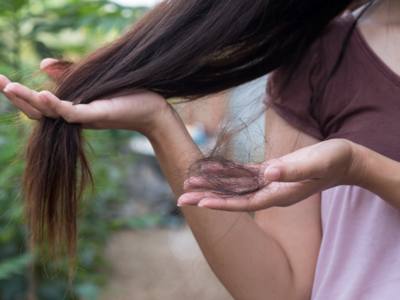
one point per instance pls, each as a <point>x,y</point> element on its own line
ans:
<point>290,179</point>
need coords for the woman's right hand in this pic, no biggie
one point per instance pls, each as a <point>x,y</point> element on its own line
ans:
<point>289,179</point>
<point>140,111</point>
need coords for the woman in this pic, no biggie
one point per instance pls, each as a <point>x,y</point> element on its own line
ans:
<point>341,245</point>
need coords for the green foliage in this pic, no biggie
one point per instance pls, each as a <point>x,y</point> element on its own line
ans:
<point>14,266</point>
<point>29,31</point>
<point>36,29</point>
<point>111,163</point>
<point>14,260</point>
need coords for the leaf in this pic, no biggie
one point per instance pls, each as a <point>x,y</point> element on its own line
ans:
<point>14,266</point>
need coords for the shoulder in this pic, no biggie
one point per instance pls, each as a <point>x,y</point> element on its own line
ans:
<point>342,23</point>
<point>334,35</point>
<point>324,51</point>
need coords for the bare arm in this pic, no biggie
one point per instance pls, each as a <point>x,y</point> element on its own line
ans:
<point>249,261</point>
<point>272,258</point>
<point>297,228</point>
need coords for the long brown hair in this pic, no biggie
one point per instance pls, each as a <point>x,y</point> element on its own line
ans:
<point>180,48</point>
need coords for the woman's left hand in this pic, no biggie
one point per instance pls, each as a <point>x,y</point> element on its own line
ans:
<point>291,178</point>
<point>140,111</point>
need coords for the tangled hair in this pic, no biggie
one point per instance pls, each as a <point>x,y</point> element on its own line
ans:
<point>180,48</point>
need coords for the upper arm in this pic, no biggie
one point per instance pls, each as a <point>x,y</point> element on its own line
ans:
<point>296,228</point>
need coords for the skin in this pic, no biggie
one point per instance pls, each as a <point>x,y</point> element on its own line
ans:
<point>274,255</point>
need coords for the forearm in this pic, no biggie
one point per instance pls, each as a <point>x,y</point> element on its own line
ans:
<point>378,174</point>
<point>248,261</point>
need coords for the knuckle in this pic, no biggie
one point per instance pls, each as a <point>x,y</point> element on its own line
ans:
<point>253,204</point>
<point>70,118</point>
<point>50,115</point>
<point>67,113</point>
<point>31,117</point>
<point>296,172</point>
<point>325,167</point>
<point>55,108</point>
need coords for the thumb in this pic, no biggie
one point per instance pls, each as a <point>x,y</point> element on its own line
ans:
<point>53,67</point>
<point>293,171</point>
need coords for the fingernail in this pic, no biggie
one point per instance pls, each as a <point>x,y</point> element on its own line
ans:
<point>272,174</point>
<point>6,89</point>
<point>184,200</point>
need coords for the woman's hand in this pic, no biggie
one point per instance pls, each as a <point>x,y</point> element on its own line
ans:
<point>140,111</point>
<point>291,178</point>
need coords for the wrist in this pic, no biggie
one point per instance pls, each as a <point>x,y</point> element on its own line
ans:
<point>168,122</point>
<point>174,148</point>
<point>378,174</point>
<point>358,166</point>
<point>160,124</point>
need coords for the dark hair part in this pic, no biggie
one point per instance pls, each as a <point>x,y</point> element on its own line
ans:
<point>180,48</point>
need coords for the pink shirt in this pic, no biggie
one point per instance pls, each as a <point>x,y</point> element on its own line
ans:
<point>359,257</point>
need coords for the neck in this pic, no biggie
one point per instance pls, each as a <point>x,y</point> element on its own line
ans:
<point>382,12</point>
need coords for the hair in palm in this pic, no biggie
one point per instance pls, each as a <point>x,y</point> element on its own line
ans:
<point>180,48</point>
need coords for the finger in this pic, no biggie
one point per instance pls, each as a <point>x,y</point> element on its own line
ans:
<point>194,198</point>
<point>57,107</point>
<point>3,82</point>
<point>27,109</point>
<point>235,204</point>
<point>234,170</point>
<point>209,183</point>
<point>244,203</point>
<point>279,194</point>
<point>80,113</point>
<point>284,194</point>
<point>234,185</point>
<point>32,99</point>
<point>195,183</point>
<point>307,168</point>
<point>53,67</point>
<point>215,201</point>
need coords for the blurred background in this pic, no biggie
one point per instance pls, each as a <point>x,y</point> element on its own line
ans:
<point>134,242</point>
